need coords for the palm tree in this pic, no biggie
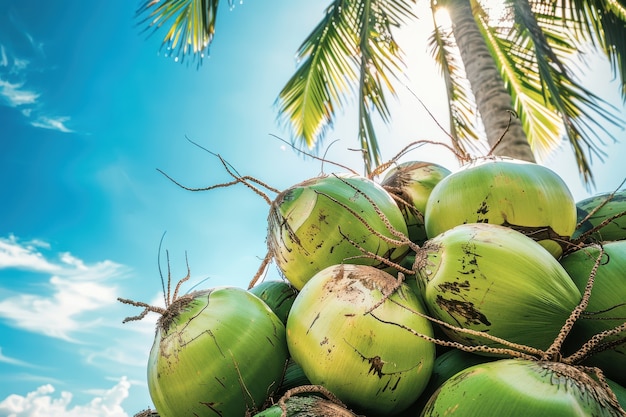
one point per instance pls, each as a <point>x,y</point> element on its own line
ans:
<point>519,62</point>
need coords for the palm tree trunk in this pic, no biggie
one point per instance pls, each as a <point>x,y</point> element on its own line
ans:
<point>492,99</point>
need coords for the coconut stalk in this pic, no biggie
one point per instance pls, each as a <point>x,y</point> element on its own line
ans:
<point>304,401</point>
<point>311,225</point>
<point>147,413</point>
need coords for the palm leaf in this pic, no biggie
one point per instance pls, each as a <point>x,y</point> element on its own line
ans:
<point>379,59</point>
<point>539,122</point>
<point>350,52</point>
<point>310,97</point>
<point>191,24</point>
<point>461,104</point>
<point>585,115</point>
<point>549,100</point>
<point>602,22</point>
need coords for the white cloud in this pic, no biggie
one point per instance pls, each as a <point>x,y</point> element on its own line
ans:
<point>75,289</point>
<point>53,123</point>
<point>14,254</point>
<point>42,403</point>
<point>15,95</point>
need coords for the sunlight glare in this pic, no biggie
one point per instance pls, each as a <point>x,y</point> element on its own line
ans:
<point>497,10</point>
<point>442,18</point>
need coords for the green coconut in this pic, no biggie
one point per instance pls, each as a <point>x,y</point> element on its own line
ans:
<point>411,183</point>
<point>594,211</point>
<point>278,295</point>
<point>495,280</point>
<point>446,365</point>
<point>522,388</point>
<point>521,195</point>
<point>347,330</point>
<point>294,377</point>
<point>607,304</point>
<point>330,220</point>
<point>216,352</point>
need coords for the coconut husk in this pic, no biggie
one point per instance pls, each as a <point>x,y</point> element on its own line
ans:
<point>147,413</point>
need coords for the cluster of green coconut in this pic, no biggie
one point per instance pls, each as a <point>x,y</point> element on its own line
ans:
<point>487,291</point>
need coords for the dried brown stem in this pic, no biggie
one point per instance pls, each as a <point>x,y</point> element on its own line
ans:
<point>459,153</point>
<point>360,218</point>
<point>590,346</point>
<point>247,180</point>
<point>512,115</point>
<point>266,261</point>
<point>601,380</point>
<point>186,278</point>
<point>401,236</point>
<point>599,206</point>
<point>371,255</point>
<point>323,160</point>
<point>460,346</point>
<point>599,227</point>
<point>147,308</point>
<point>147,413</point>
<point>554,350</point>
<point>411,146</point>
<point>168,300</point>
<point>229,168</point>
<point>522,348</point>
<point>244,389</point>
<point>386,295</point>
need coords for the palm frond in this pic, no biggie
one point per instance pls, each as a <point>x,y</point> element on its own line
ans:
<point>191,25</point>
<point>541,124</point>
<point>351,51</point>
<point>585,116</point>
<point>603,22</point>
<point>551,102</point>
<point>461,104</point>
<point>309,99</point>
<point>379,60</point>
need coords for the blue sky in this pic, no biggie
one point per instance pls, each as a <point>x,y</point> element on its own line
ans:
<point>89,109</point>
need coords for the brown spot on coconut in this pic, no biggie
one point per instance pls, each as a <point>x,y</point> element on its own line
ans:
<point>333,337</point>
<point>302,245</point>
<point>535,381</point>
